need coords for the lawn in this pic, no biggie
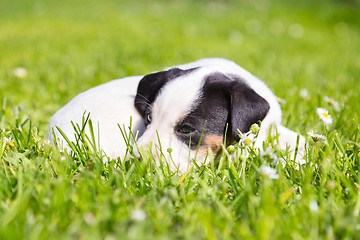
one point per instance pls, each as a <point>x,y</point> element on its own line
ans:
<point>307,52</point>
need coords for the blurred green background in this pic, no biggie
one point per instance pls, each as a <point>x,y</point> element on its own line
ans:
<point>68,46</point>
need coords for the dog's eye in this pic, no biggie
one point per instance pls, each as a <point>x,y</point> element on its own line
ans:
<point>148,119</point>
<point>186,129</point>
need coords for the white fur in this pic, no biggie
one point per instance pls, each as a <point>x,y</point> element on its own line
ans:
<point>109,104</point>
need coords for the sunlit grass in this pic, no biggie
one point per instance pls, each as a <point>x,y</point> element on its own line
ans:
<point>307,53</point>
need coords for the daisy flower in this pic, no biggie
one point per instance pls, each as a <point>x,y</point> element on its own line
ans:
<point>248,139</point>
<point>138,215</point>
<point>20,72</point>
<point>304,94</point>
<point>9,143</point>
<point>269,155</point>
<point>269,172</point>
<point>332,102</point>
<point>316,137</point>
<point>313,205</point>
<point>324,115</point>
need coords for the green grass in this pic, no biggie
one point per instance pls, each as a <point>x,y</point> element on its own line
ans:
<point>68,46</point>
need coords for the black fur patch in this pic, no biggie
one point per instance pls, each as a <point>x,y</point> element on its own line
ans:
<point>224,101</point>
<point>209,116</point>
<point>247,107</point>
<point>150,86</point>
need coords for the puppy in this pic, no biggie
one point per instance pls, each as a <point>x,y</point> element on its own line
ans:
<point>181,112</point>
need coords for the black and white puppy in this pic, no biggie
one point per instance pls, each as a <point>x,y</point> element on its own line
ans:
<point>182,106</point>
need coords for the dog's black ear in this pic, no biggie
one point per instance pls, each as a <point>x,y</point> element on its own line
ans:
<point>246,108</point>
<point>150,86</point>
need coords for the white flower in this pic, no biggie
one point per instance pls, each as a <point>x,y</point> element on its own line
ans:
<point>89,218</point>
<point>324,115</point>
<point>314,207</point>
<point>9,142</point>
<point>332,102</point>
<point>336,106</point>
<point>269,172</point>
<point>248,138</point>
<point>316,137</point>
<point>327,99</point>
<point>138,215</point>
<point>304,94</point>
<point>20,72</point>
<point>269,155</point>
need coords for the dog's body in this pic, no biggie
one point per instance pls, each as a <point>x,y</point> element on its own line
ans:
<point>109,104</point>
<point>187,106</point>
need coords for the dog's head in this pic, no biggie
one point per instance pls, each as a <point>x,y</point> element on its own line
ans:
<point>190,110</point>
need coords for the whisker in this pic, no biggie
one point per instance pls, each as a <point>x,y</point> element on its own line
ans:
<point>143,102</point>
<point>140,95</point>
